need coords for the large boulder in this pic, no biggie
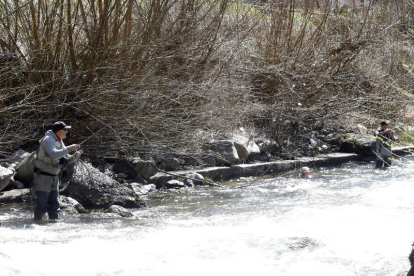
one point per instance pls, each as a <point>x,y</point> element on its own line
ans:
<point>93,189</point>
<point>25,171</point>
<point>224,150</point>
<point>146,169</point>
<point>5,177</point>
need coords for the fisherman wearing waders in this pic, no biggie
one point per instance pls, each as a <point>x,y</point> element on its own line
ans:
<point>383,147</point>
<point>50,157</point>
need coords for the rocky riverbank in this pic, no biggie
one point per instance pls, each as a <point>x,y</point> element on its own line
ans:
<point>118,184</point>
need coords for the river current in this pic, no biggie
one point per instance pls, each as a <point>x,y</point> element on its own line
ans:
<point>355,220</point>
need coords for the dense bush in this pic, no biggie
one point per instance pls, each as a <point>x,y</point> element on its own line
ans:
<point>169,75</point>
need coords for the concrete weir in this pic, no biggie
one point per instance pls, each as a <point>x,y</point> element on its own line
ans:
<point>277,167</point>
<point>260,169</point>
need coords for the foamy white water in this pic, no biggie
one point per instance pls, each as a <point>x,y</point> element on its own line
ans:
<point>354,221</point>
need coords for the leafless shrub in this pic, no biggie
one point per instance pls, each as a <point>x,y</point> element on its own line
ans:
<point>169,75</point>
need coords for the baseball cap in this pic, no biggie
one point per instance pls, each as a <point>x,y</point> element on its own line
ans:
<point>59,125</point>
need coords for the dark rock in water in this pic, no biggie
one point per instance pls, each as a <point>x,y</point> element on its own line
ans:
<point>5,177</point>
<point>120,211</point>
<point>174,184</point>
<point>25,171</point>
<point>93,189</point>
<point>71,206</point>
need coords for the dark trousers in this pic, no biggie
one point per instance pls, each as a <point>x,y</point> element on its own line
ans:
<point>380,162</point>
<point>47,202</point>
<point>47,196</point>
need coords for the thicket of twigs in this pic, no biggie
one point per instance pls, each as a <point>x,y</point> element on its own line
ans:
<point>169,75</point>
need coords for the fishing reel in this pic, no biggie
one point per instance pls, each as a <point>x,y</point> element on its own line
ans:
<point>78,152</point>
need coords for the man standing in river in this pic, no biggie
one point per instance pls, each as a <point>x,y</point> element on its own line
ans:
<point>50,157</point>
<point>383,145</point>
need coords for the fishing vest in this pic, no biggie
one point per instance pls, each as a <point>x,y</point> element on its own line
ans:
<point>43,156</point>
<point>383,144</point>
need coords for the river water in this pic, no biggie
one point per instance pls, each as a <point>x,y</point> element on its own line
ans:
<point>355,220</point>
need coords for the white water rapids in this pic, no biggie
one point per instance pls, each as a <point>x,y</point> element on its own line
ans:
<point>355,220</point>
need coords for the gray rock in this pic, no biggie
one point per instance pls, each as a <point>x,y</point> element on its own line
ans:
<point>14,196</point>
<point>146,169</point>
<point>25,171</point>
<point>226,150</point>
<point>171,163</point>
<point>120,211</point>
<point>362,129</point>
<point>246,148</point>
<point>71,206</point>
<point>196,178</point>
<point>174,184</point>
<point>313,143</point>
<point>5,177</point>
<point>93,189</point>
<point>242,151</point>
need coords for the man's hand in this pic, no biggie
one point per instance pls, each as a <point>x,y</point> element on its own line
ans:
<point>74,147</point>
<point>76,156</point>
